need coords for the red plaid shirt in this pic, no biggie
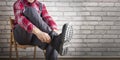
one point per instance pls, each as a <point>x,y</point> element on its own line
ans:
<point>24,22</point>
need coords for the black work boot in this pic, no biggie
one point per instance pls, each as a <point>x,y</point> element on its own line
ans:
<point>62,41</point>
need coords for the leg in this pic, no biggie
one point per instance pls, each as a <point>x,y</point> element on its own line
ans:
<point>16,50</point>
<point>34,17</point>
<point>11,37</point>
<point>57,41</point>
<point>34,53</point>
<point>51,53</point>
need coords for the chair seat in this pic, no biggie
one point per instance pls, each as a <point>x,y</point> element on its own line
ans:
<point>22,46</point>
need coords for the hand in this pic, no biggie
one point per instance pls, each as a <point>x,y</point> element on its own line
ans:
<point>44,37</point>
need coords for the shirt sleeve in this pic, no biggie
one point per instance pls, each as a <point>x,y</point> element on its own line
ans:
<point>48,19</point>
<point>20,19</point>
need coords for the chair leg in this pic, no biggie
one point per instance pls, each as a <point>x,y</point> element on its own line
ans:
<point>16,50</point>
<point>44,51</point>
<point>10,56</point>
<point>34,53</point>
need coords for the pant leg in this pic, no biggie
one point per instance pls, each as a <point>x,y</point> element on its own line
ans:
<point>33,16</point>
<point>51,53</point>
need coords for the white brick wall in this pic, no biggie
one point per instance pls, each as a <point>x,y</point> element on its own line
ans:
<point>96,26</point>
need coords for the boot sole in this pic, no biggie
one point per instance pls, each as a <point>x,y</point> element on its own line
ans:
<point>67,36</point>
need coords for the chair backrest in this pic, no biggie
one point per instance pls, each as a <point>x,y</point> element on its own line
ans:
<point>11,23</point>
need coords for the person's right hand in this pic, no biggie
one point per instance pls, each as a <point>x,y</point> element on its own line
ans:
<point>44,37</point>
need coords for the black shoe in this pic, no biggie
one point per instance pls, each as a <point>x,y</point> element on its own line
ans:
<point>65,37</point>
<point>62,41</point>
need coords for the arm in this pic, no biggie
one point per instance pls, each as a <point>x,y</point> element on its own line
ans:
<point>20,19</point>
<point>48,19</point>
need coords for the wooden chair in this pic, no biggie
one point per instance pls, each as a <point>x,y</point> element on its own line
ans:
<point>16,45</point>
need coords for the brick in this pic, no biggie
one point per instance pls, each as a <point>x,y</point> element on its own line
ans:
<point>84,32</point>
<point>7,27</point>
<point>110,0</point>
<point>76,27</point>
<point>99,49</point>
<point>110,18</point>
<point>117,41</point>
<point>67,9</point>
<point>76,53</point>
<point>6,13</point>
<point>113,13</point>
<point>49,3</point>
<point>79,36</point>
<point>79,9</point>
<point>89,4</point>
<point>117,23</point>
<point>113,49</point>
<point>5,8</point>
<point>83,13</point>
<point>3,22</point>
<point>94,53</point>
<point>71,49</point>
<point>106,23</point>
<point>56,13</point>
<point>94,36</point>
<point>78,18</point>
<point>90,40</point>
<point>109,45</point>
<point>5,31</point>
<point>52,8</point>
<point>10,3</point>
<point>90,23</point>
<point>113,32</point>
<point>87,27</point>
<point>77,40</point>
<point>3,41</point>
<point>2,27</point>
<point>110,53</point>
<point>106,41</point>
<point>62,4</point>
<point>94,8</point>
<point>75,4</point>
<point>110,36</point>
<point>106,4</point>
<point>102,27</point>
<point>115,27</point>
<point>79,45</point>
<point>4,36</point>
<point>95,45</point>
<point>110,9</point>
<point>99,13</point>
<point>93,18</point>
<point>70,13</point>
<point>98,31</point>
<point>2,3</point>
<point>83,49</point>
<point>117,4</point>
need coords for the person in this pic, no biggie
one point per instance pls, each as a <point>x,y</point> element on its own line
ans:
<point>34,26</point>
